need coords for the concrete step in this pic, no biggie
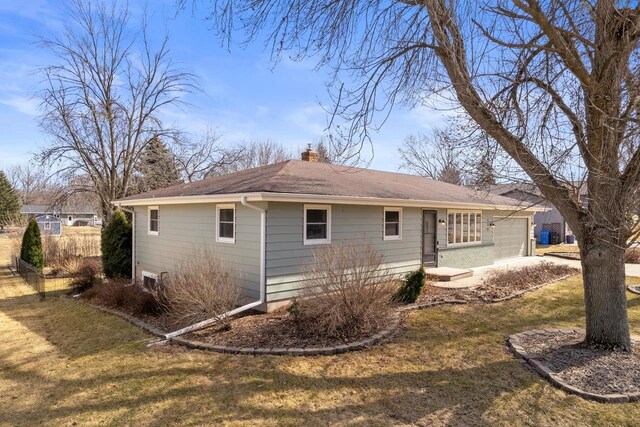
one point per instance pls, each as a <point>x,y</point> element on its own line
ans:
<point>448,274</point>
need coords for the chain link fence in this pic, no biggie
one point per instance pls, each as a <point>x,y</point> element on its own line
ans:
<point>41,284</point>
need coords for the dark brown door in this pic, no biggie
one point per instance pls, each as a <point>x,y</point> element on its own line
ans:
<point>429,249</point>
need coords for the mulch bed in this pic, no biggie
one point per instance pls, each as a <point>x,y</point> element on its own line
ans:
<point>267,330</point>
<point>502,286</point>
<point>592,370</point>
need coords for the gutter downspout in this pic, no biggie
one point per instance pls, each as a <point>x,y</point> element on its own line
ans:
<point>263,281</point>
<point>133,241</point>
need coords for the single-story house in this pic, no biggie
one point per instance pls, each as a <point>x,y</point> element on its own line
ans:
<point>49,225</point>
<point>268,220</point>
<point>549,219</point>
<point>69,215</point>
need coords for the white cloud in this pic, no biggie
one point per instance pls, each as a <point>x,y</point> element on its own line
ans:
<point>24,105</point>
<point>310,118</point>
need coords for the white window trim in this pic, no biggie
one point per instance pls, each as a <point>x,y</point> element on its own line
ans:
<point>225,239</point>
<point>478,242</point>
<point>149,232</point>
<point>47,226</point>
<point>149,275</point>
<point>384,224</point>
<point>306,241</point>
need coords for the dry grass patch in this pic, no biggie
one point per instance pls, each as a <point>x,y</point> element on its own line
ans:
<point>562,247</point>
<point>63,363</point>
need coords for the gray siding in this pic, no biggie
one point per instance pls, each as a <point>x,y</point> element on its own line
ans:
<point>286,253</point>
<point>477,255</point>
<point>187,227</point>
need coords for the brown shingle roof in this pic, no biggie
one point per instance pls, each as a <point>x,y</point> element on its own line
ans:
<point>322,179</point>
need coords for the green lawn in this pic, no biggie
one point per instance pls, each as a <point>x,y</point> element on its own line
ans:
<point>62,362</point>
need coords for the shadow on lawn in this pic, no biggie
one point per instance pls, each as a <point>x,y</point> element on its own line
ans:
<point>401,397</point>
<point>447,368</point>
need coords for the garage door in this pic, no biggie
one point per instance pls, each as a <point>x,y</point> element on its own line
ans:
<point>510,237</point>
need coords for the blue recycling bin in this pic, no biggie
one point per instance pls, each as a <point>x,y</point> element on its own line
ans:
<point>544,237</point>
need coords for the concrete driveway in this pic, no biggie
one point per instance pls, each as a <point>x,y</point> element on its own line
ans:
<point>480,273</point>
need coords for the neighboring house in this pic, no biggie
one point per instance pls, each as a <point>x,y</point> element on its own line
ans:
<point>69,215</point>
<point>49,225</point>
<point>267,221</point>
<point>549,219</point>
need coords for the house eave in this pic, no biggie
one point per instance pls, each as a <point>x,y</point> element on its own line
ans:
<point>317,198</point>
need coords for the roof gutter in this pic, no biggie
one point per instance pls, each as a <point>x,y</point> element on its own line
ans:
<point>319,198</point>
<point>263,281</point>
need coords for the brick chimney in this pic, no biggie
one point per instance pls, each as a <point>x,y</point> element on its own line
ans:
<point>309,155</point>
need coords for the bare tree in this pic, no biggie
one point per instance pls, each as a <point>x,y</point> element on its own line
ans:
<point>255,153</point>
<point>33,183</point>
<point>554,83</point>
<point>101,100</point>
<point>437,156</point>
<point>206,156</point>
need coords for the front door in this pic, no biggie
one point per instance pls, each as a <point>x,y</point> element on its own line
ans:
<point>429,248</point>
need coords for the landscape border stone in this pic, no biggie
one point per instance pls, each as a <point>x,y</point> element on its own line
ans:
<point>634,289</point>
<point>131,319</point>
<point>514,345</point>
<point>388,333</point>
<point>385,335</point>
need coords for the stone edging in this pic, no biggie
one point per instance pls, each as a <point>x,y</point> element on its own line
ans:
<point>385,335</point>
<point>514,344</point>
<point>561,255</point>
<point>132,319</point>
<point>382,336</point>
<point>426,305</point>
<point>634,289</point>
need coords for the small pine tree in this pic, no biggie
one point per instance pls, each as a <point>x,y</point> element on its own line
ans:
<point>116,246</point>
<point>411,287</point>
<point>9,202</point>
<point>485,174</point>
<point>324,156</point>
<point>157,167</point>
<point>31,251</point>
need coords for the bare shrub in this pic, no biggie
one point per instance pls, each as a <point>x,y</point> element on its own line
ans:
<point>63,252</point>
<point>504,283</point>
<point>86,275</point>
<point>111,293</point>
<point>345,294</point>
<point>140,301</point>
<point>203,287</point>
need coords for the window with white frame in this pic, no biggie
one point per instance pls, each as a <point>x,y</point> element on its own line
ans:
<point>392,223</point>
<point>464,227</point>
<point>317,224</point>
<point>47,226</point>
<point>149,280</point>
<point>226,223</point>
<point>154,220</point>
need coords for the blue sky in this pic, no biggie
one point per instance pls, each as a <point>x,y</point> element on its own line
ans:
<point>243,94</point>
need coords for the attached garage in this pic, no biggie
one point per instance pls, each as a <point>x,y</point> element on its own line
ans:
<point>511,236</point>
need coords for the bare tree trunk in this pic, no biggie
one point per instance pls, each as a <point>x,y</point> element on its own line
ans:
<point>605,298</point>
